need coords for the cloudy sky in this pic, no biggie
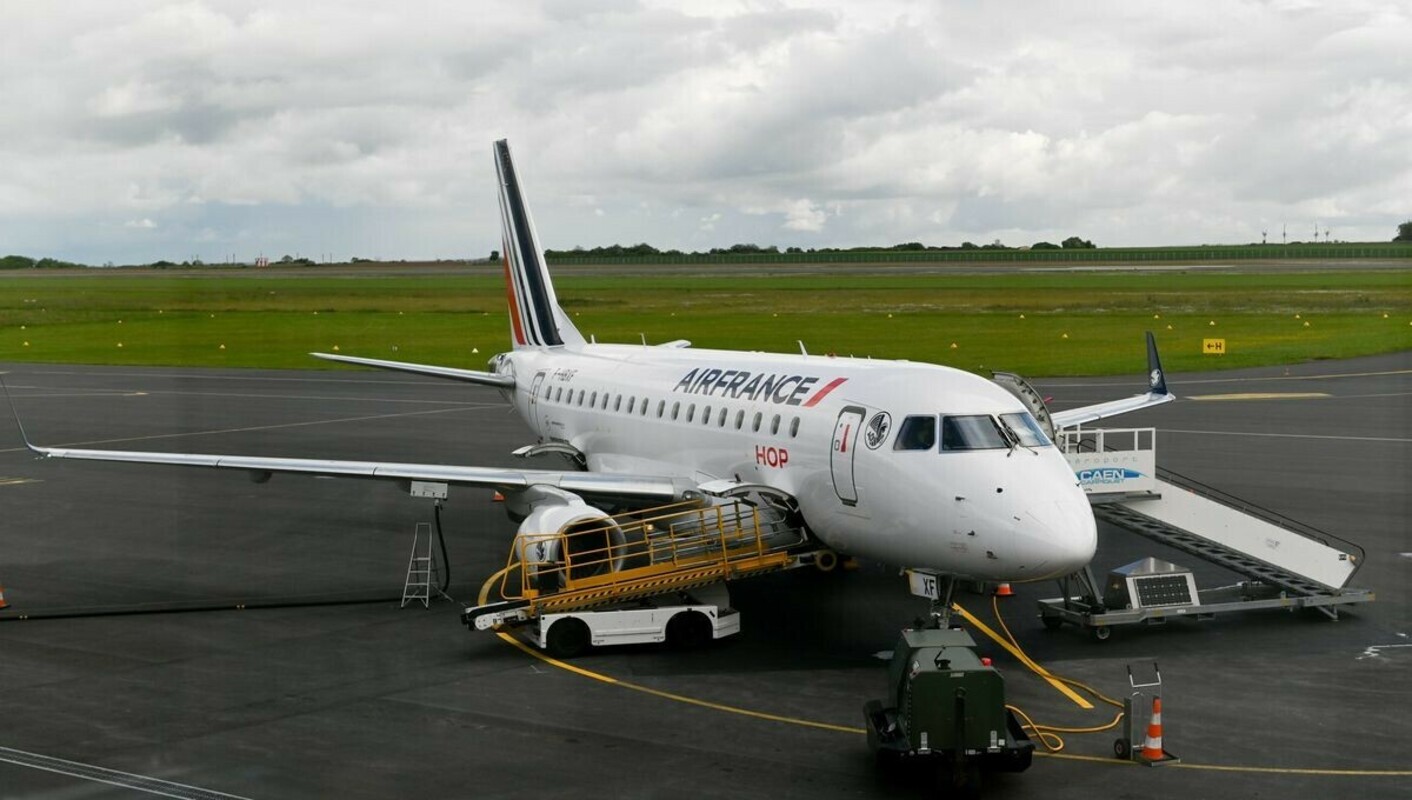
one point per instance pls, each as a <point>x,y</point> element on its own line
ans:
<point>138,130</point>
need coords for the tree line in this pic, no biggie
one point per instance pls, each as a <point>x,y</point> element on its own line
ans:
<point>25,262</point>
<point>1404,234</point>
<point>644,249</point>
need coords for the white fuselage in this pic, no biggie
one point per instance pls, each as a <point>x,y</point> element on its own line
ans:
<point>799,424</point>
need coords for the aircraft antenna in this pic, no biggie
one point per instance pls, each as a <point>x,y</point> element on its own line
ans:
<point>802,351</point>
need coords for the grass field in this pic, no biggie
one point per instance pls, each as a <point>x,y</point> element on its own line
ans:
<point>1037,324</point>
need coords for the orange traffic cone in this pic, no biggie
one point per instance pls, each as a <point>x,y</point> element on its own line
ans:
<point>1152,747</point>
<point>3,604</point>
<point>1004,590</point>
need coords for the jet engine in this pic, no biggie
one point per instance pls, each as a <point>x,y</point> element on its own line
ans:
<point>562,538</point>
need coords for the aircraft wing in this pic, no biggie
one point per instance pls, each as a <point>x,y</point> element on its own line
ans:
<point>1093,413</point>
<point>1157,395</point>
<point>588,484</point>
<point>466,375</point>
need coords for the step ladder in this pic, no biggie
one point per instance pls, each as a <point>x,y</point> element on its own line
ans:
<point>423,577</point>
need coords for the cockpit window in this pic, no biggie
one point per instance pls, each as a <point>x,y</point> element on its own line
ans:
<point>1026,428</point>
<point>916,433</point>
<point>971,432</point>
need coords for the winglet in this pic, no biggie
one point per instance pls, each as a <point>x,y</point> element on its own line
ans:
<point>15,414</point>
<point>1156,378</point>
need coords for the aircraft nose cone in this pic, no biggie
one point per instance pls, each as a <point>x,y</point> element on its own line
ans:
<point>1077,534</point>
<point>1067,536</point>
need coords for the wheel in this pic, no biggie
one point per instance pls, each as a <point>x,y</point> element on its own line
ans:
<point>1123,749</point>
<point>826,561</point>
<point>1102,632</point>
<point>567,637</point>
<point>689,630</point>
<point>1052,623</point>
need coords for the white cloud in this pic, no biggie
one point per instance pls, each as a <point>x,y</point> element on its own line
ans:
<point>145,223</point>
<point>814,122</point>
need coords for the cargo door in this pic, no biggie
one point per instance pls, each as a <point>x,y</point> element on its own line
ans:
<point>541,426</point>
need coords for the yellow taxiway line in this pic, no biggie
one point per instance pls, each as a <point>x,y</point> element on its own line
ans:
<point>1261,396</point>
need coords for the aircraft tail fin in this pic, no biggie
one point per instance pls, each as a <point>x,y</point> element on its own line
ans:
<point>536,320</point>
<point>1156,378</point>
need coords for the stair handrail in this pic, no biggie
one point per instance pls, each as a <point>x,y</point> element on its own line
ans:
<point>1355,551</point>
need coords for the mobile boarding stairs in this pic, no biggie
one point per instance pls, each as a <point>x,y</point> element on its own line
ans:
<point>1287,564</point>
<point>656,553</point>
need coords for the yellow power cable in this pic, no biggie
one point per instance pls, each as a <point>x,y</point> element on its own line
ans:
<point>1046,734</point>
<point>1021,657</point>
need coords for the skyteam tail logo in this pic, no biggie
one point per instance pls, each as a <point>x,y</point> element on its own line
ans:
<point>1107,476</point>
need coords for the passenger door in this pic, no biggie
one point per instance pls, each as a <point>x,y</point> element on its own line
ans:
<point>845,445</point>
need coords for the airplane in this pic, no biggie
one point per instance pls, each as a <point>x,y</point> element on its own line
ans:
<point>915,465</point>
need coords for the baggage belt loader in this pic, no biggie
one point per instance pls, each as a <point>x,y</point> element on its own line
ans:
<point>656,575</point>
<point>945,707</point>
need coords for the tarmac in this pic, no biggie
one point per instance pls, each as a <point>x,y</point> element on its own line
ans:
<point>334,691</point>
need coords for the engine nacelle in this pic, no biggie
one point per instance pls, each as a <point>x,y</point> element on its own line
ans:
<point>564,537</point>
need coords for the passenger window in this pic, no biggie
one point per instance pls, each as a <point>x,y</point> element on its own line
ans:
<point>661,404</point>
<point>645,401</point>
<point>775,425</point>
<point>755,423</point>
<point>617,402</point>
<point>593,400</point>
<point>721,420</point>
<point>739,419</point>
<point>580,397</point>
<point>916,433</point>
<point>971,432</point>
<point>676,409</point>
<point>706,416</point>
<point>632,401</point>
<point>559,395</point>
<point>794,427</point>
<point>691,412</point>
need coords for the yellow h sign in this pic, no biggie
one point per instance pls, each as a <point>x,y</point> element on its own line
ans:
<point>1213,347</point>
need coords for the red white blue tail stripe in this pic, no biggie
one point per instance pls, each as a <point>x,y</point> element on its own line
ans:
<point>536,320</point>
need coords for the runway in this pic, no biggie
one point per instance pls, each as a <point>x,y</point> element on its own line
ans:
<point>361,699</point>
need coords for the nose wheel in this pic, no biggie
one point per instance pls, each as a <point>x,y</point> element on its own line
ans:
<point>940,610</point>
